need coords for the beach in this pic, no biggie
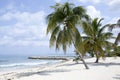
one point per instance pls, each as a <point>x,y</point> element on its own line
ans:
<point>108,69</point>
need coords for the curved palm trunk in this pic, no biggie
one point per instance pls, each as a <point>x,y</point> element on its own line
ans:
<point>81,58</point>
<point>83,61</point>
<point>80,54</point>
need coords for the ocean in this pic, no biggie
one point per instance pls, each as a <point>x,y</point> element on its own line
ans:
<point>9,63</point>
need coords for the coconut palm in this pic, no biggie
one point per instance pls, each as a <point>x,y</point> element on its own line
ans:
<point>114,26</point>
<point>116,51</point>
<point>115,47</point>
<point>96,38</point>
<point>62,26</point>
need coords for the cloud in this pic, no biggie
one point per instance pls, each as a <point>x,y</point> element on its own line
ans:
<point>91,10</point>
<point>117,29</point>
<point>7,40</point>
<point>93,1</point>
<point>28,29</point>
<point>114,5</point>
<point>6,17</point>
<point>57,1</point>
<point>30,43</point>
<point>114,20</point>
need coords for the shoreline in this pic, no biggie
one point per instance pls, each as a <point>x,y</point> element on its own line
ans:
<point>26,65</point>
<point>14,74</point>
<point>68,70</point>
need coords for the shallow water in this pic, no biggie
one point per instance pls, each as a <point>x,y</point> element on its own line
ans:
<point>8,63</point>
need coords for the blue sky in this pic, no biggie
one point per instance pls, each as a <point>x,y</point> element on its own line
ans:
<point>23,24</point>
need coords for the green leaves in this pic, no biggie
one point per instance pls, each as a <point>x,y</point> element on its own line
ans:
<point>53,36</point>
<point>117,39</point>
<point>62,25</point>
<point>97,37</point>
<point>114,26</point>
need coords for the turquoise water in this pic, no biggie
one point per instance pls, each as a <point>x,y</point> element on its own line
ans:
<point>18,62</point>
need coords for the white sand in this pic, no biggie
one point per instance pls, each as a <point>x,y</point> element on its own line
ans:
<point>104,70</point>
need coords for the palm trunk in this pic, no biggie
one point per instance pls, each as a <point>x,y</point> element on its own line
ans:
<point>78,51</point>
<point>97,58</point>
<point>83,61</point>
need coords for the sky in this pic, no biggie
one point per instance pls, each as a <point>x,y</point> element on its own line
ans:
<point>23,23</point>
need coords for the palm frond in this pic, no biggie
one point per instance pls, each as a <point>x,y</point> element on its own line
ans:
<point>99,22</point>
<point>79,10</point>
<point>102,29</point>
<point>114,25</point>
<point>59,40</point>
<point>111,27</point>
<point>87,28</point>
<point>94,25</point>
<point>117,39</point>
<point>53,36</point>
<point>118,23</point>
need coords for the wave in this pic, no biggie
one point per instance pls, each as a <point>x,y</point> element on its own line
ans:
<point>22,64</point>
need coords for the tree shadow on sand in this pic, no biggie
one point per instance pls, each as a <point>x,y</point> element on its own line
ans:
<point>70,64</point>
<point>104,64</point>
<point>117,77</point>
<point>101,64</point>
<point>44,72</point>
<point>95,64</point>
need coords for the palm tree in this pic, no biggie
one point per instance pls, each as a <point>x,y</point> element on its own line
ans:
<point>115,47</point>
<point>96,38</point>
<point>114,26</point>
<point>62,26</point>
<point>117,51</point>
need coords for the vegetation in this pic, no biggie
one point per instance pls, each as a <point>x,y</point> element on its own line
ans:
<point>115,48</point>
<point>64,26</point>
<point>114,26</point>
<point>96,38</point>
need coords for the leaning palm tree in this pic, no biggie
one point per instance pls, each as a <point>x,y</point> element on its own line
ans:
<point>114,26</point>
<point>115,47</point>
<point>62,26</point>
<point>116,51</point>
<point>96,38</point>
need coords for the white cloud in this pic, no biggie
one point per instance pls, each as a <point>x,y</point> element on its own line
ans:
<point>6,40</point>
<point>29,29</point>
<point>24,17</point>
<point>116,30</point>
<point>30,43</point>
<point>114,5</point>
<point>114,20</point>
<point>93,1</point>
<point>57,1</point>
<point>6,17</point>
<point>91,10</point>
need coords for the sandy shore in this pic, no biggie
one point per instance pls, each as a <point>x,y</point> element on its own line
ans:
<point>104,70</point>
